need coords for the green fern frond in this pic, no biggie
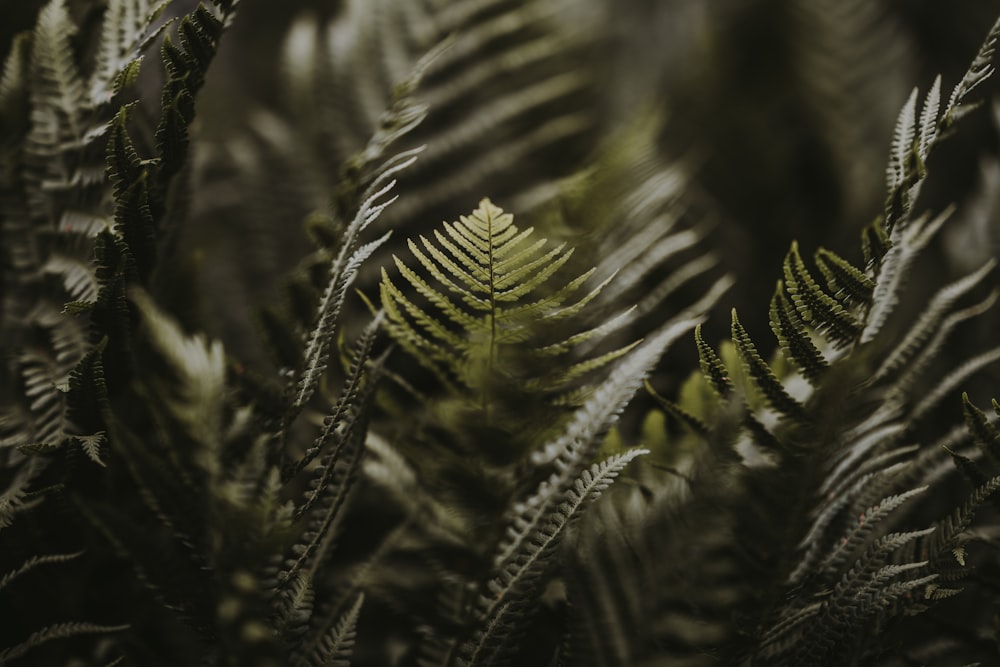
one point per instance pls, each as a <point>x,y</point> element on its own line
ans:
<point>34,562</point>
<point>335,647</point>
<point>950,530</point>
<point>137,205</point>
<point>930,323</point>
<point>294,608</point>
<point>845,281</point>
<point>979,71</point>
<point>902,143</point>
<point>196,398</point>
<point>906,243</point>
<point>951,383</point>
<point>866,522</point>
<point>58,97</point>
<point>128,28</point>
<point>343,270</point>
<point>500,275</point>
<point>814,305</point>
<point>794,338</point>
<point>850,59</point>
<point>762,375</point>
<point>524,554</point>
<point>60,631</point>
<point>522,50</point>
<point>343,435</point>
<point>198,34</point>
<point>874,242</point>
<point>712,367</point>
<point>985,433</point>
<point>14,82</point>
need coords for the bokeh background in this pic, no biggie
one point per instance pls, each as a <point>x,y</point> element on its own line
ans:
<point>781,112</point>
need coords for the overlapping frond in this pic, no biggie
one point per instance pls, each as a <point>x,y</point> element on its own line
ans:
<point>834,421</point>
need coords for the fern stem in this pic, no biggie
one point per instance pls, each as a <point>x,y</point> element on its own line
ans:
<point>493,321</point>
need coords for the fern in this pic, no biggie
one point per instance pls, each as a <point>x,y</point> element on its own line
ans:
<point>467,489</point>
<point>826,449</point>
<point>335,647</point>
<point>34,562</point>
<point>59,631</point>
<point>497,272</point>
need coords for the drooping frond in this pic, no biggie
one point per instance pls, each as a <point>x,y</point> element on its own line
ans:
<point>60,631</point>
<point>34,562</point>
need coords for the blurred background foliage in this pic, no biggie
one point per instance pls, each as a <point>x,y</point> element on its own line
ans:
<point>782,109</point>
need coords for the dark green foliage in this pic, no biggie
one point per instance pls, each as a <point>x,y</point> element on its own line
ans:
<point>447,460</point>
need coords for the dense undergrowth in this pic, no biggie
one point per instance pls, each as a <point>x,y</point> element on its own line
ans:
<point>428,355</point>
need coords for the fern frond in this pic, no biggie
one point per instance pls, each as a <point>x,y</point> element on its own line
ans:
<point>929,120</point>
<point>294,608</point>
<point>951,528</point>
<point>814,305</point>
<point>844,280</point>
<point>950,383</point>
<point>34,562</point>
<point>712,367</point>
<point>825,531</point>
<point>44,390</point>
<point>358,373</point>
<point>14,80</point>
<point>127,28</point>
<point>343,270</point>
<point>980,70</point>
<point>58,96</point>
<point>196,399</point>
<point>929,322</point>
<point>60,631</point>
<point>338,471</point>
<point>575,444</point>
<point>866,522</point>
<point>762,375</point>
<point>528,546</point>
<point>136,206</point>
<point>985,433</point>
<point>895,266</point>
<point>91,445</point>
<point>794,339</point>
<point>77,276</point>
<point>500,275</point>
<point>198,34</point>
<point>335,647</point>
<point>849,57</point>
<point>902,143</point>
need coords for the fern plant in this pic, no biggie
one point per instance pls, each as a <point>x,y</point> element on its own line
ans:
<point>452,477</point>
<point>817,470</point>
<point>214,568</point>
